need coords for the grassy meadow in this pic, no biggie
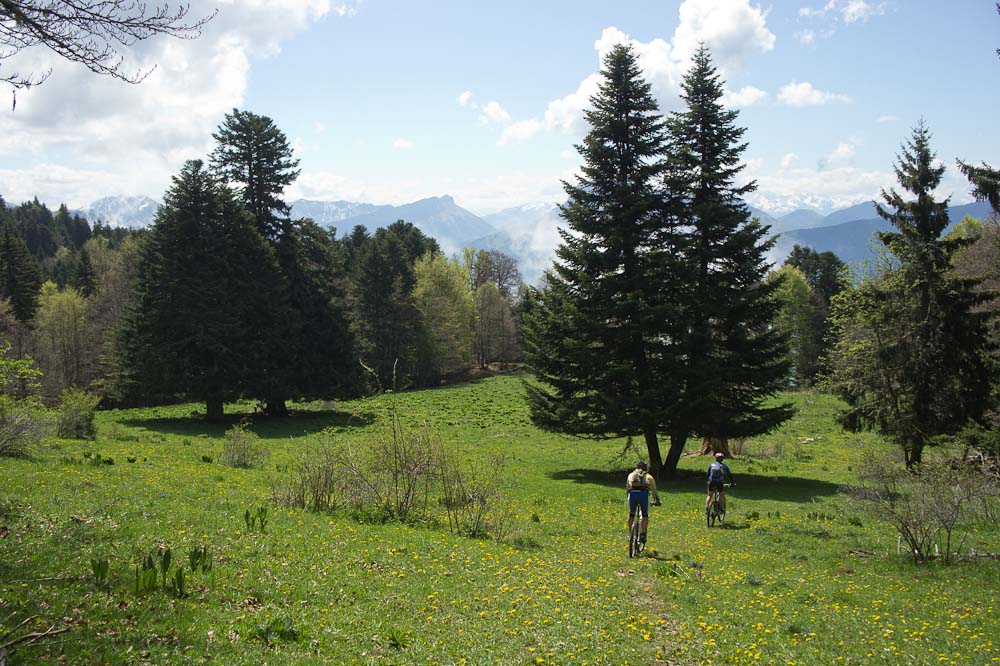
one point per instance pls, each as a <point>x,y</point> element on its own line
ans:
<point>796,576</point>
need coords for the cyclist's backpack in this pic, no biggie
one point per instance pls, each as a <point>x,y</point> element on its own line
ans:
<point>637,481</point>
<point>715,472</point>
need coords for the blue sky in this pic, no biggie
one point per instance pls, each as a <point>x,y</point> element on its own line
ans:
<point>389,102</point>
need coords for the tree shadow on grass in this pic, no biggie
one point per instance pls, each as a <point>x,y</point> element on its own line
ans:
<point>298,424</point>
<point>749,486</point>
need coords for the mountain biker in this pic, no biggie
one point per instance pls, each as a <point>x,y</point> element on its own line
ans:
<point>717,473</point>
<point>639,484</point>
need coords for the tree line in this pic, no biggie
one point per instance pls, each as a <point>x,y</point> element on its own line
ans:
<point>227,297</point>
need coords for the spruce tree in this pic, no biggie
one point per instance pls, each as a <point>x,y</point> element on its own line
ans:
<point>20,278</point>
<point>386,320</point>
<point>255,155</point>
<point>598,335</point>
<point>84,278</point>
<point>204,312</point>
<point>911,358</point>
<point>735,359</point>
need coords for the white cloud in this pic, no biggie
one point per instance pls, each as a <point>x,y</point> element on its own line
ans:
<point>733,30</point>
<point>804,94</point>
<point>745,96</point>
<point>104,125</point>
<point>844,152</point>
<point>828,189</point>
<point>806,37</point>
<point>319,128</point>
<point>494,113</point>
<point>402,144</point>
<point>887,119</point>
<point>521,130</point>
<point>789,160</point>
<point>859,10</point>
<point>465,99</point>
<point>838,11</point>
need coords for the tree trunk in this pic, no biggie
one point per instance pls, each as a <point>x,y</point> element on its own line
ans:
<point>713,445</point>
<point>653,447</point>
<point>677,441</point>
<point>276,407</point>
<point>213,410</point>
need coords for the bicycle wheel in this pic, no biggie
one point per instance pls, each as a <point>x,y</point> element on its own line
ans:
<point>708,516</point>
<point>722,514</point>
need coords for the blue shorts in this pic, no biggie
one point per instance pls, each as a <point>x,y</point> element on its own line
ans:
<point>638,498</point>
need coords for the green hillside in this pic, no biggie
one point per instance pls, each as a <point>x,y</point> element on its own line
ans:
<point>796,576</point>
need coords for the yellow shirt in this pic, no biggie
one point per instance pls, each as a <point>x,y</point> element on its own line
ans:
<point>635,482</point>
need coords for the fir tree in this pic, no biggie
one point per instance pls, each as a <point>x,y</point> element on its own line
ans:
<point>203,316</point>
<point>254,154</point>
<point>386,321</point>
<point>84,277</point>
<point>20,278</point>
<point>911,352</point>
<point>598,335</point>
<point>736,360</point>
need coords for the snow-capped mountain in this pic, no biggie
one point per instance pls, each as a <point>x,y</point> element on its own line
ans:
<point>329,213</point>
<point>132,212</point>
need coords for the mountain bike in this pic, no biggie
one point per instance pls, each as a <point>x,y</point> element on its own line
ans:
<point>635,544</point>
<point>715,511</point>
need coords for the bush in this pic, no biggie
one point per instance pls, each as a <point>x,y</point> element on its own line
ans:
<point>392,473</point>
<point>929,505</point>
<point>242,448</point>
<point>76,415</point>
<point>312,484</point>
<point>400,474</point>
<point>22,427</point>
<point>474,496</point>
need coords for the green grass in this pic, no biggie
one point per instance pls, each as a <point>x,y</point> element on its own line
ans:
<point>794,577</point>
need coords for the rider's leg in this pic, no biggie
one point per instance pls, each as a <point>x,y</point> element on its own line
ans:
<point>708,499</point>
<point>722,499</point>
<point>643,526</point>
<point>631,519</point>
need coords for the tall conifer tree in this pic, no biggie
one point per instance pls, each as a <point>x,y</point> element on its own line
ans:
<point>254,154</point>
<point>598,335</point>
<point>206,307</point>
<point>20,278</point>
<point>735,359</point>
<point>911,356</point>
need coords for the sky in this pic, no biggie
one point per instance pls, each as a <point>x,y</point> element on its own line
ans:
<point>390,101</point>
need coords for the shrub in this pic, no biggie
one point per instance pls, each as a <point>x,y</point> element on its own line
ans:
<point>242,448</point>
<point>475,497</point>
<point>312,484</point>
<point>391,473</point>
<point>76,414</point>
<point>22,426</point>
<point>929,505</point>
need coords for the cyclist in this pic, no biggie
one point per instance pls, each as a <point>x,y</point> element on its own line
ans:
<point>717,473</point>
<point>639,484</point>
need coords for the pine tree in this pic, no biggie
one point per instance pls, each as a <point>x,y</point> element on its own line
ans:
<point>20,278</point>
<point>912,346</point>
<point>203,315</point>
<point>386,320</point>
<point>84,277</point>
<point>736,360</point>
<point>254,154</point>
<point>598,335</point>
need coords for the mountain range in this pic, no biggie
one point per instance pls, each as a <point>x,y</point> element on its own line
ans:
<point>530,233</point>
